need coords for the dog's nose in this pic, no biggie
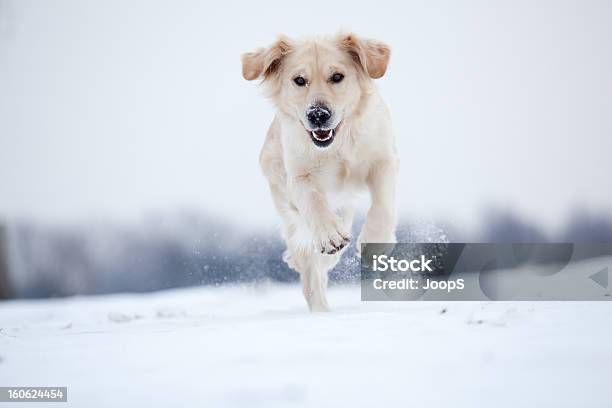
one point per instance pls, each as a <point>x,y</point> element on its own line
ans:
<point>318,115</point>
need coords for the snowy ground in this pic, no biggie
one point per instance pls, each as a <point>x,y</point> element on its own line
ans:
<point>258,347</point>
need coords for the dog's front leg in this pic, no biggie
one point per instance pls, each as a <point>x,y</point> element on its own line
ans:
<point>381,218</point>
<point>314,283</point>
<point>326,227</point>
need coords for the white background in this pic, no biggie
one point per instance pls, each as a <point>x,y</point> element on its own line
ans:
<point>117,109</point>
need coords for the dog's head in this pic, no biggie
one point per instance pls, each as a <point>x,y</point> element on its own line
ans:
<point>319,82</point>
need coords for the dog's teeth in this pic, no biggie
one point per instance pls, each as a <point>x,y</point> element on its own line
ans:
<point>330,134</point>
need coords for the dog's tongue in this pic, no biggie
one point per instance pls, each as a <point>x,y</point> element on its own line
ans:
<point>322,134</point>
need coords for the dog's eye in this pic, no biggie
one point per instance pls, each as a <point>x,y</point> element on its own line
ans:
<point>299,81</point>
<point>337,77</point>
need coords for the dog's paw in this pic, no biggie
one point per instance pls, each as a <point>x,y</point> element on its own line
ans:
<point>332,239</point>
<point>367,237</point>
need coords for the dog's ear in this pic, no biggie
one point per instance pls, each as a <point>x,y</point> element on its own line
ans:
<point>372,56</point>
<point>265,61</point>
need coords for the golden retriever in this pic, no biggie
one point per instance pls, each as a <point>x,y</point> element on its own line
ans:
<point>330,138</point>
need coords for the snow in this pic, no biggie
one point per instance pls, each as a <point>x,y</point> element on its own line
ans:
<point>257,346</point>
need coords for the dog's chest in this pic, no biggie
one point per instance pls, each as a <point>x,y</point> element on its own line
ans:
<point>342,182</point>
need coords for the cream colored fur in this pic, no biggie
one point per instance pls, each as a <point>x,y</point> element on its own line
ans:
<point>312,187</point>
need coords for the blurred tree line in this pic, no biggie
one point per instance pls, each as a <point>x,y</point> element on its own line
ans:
<point>188,250</point>
<point>5,286</point>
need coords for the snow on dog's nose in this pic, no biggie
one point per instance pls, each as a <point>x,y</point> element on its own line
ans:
<point>318,116</point>
<point>320,125</point>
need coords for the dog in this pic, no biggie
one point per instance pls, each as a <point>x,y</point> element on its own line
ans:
<point>331,137</point>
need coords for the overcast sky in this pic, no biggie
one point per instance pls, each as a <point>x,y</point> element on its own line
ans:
<point>121,109</point>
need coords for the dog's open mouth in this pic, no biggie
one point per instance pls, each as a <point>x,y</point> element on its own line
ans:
<point>323,137</point>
